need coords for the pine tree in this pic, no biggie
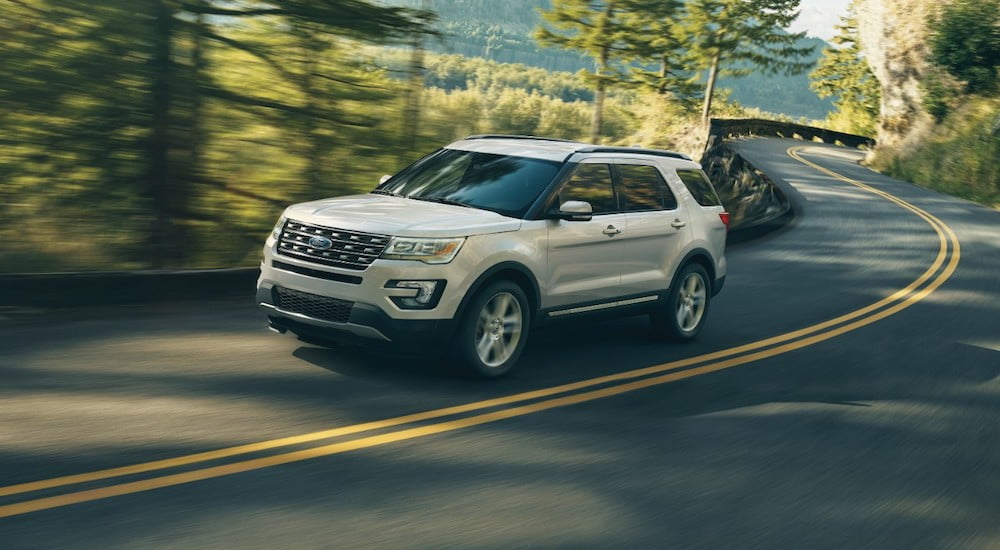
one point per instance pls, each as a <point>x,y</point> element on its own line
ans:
<point>657,39</point>
<point>730,36</point>
<point>598,29</point>
<point>843,73</point>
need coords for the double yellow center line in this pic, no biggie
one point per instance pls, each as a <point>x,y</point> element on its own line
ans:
<point>492,410</point>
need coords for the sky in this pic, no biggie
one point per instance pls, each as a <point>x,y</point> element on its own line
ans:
<point>819,17</point>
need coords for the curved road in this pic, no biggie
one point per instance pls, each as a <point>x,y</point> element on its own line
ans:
<point>846,393</point>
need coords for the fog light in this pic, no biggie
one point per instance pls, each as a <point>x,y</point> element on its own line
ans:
<point>427,296</point>
<point>425,290</point>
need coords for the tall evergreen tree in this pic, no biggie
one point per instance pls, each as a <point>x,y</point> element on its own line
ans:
<point>731,36</point>
<point>599,29</point>
<point>844,74</point>
<point>657,40</point>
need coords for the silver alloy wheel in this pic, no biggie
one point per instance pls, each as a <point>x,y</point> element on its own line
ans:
<point>498,329</point>
<point>691,302</point>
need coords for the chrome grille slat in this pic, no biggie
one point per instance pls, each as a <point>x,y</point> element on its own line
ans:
<point>330,235</point>
<point>321,259</point>
<point>351,249</point>
<point>348,245</point>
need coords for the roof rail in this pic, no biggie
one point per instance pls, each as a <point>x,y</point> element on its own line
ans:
<point>505,136</point>
<point>639,150</point>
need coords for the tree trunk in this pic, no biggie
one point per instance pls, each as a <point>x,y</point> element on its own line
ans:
<point>314,141</point>
<point>165,239</point>
<point>713,74</point>
<point>664,72</point>
<point>414,90</point>
<point>598,119</point>
<point>197,127</point>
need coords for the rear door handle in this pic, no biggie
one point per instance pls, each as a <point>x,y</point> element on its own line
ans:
<point>678,224</point>
<point>612,231</point>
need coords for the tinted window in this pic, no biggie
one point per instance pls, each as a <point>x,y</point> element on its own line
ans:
<point>700,187</point>
<point>645,189</point>
<point>591,183</point>
<point>501,183</point>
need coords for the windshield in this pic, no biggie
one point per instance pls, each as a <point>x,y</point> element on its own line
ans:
<point>500,183</point>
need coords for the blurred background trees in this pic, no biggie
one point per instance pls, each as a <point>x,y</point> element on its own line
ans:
<point>171,133</point>
<point>149,133</point>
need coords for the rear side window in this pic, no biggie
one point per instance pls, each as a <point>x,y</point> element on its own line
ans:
<point>699,186</point>
<point>645,189</point>
<point>591,183</point>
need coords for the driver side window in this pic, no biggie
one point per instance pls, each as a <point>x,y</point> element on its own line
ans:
<point>591,183</point>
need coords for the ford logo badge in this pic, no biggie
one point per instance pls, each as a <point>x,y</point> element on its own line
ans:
<point>320,243</point>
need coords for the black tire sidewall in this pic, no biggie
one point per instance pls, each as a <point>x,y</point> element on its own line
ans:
<point>465,350</point>
<point>666,319</point>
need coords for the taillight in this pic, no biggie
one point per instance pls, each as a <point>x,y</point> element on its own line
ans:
<point>724,216</point>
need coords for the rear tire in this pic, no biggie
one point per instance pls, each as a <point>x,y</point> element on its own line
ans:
<point>683,316</point>
<point>493,330</point>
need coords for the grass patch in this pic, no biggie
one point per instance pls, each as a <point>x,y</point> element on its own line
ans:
<point>960,157</point>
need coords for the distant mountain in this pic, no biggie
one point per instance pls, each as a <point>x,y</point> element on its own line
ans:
<point>502,31</point>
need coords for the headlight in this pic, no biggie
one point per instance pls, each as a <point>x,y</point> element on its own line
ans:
<point>429,251</point>
<point>276,232</point>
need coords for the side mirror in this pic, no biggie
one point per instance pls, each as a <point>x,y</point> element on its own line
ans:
<point>575,211</point>
<point>384,179</point>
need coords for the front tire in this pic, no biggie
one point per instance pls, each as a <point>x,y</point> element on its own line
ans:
<point>684,314</point>
<point>493,330</point>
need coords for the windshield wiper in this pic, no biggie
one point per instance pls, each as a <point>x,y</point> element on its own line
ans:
<point>441,200</point>
<point>383,192</point>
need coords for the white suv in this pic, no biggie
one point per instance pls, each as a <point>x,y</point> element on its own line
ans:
<point>468,248</point>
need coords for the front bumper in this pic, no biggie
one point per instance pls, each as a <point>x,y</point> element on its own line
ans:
<point>367,325</point>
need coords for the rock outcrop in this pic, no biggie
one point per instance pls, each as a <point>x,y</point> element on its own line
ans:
<point>894,40</point>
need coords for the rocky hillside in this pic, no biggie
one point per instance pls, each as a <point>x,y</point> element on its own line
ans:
<point>957,152</point>
<point>894,39</point>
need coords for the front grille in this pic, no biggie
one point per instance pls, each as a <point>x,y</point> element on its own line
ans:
<point>312,305</point>
<point>350,249</point>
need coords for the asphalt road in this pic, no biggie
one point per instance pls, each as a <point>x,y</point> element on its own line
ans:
<point>860,409</point>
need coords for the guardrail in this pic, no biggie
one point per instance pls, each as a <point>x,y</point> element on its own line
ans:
<point>722,129</point>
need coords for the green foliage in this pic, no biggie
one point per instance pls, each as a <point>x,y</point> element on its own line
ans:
<point>170,134</point>
<point>135,134</point>
<point>749,31</point>
<point>843,73</point>
<point>658,41</point>
<point>940,93</point>
<point>959,157</point>
<point>735,37</point>
<point>966,42</point>
<point>454,72</point>
<point>611,32</point>
<point>502,32</point>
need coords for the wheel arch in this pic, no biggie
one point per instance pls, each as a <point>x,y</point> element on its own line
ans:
<point>702,257</point>
<point>513,271</point>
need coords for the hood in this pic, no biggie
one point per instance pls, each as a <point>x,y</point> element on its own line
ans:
<point>401,217</point>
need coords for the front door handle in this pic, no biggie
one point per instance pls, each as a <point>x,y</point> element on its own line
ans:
<point>678,224</point>
<point>611,231</point>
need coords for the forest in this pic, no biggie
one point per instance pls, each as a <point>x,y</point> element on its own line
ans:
<point>503,32</point>
<point>170,134</point>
